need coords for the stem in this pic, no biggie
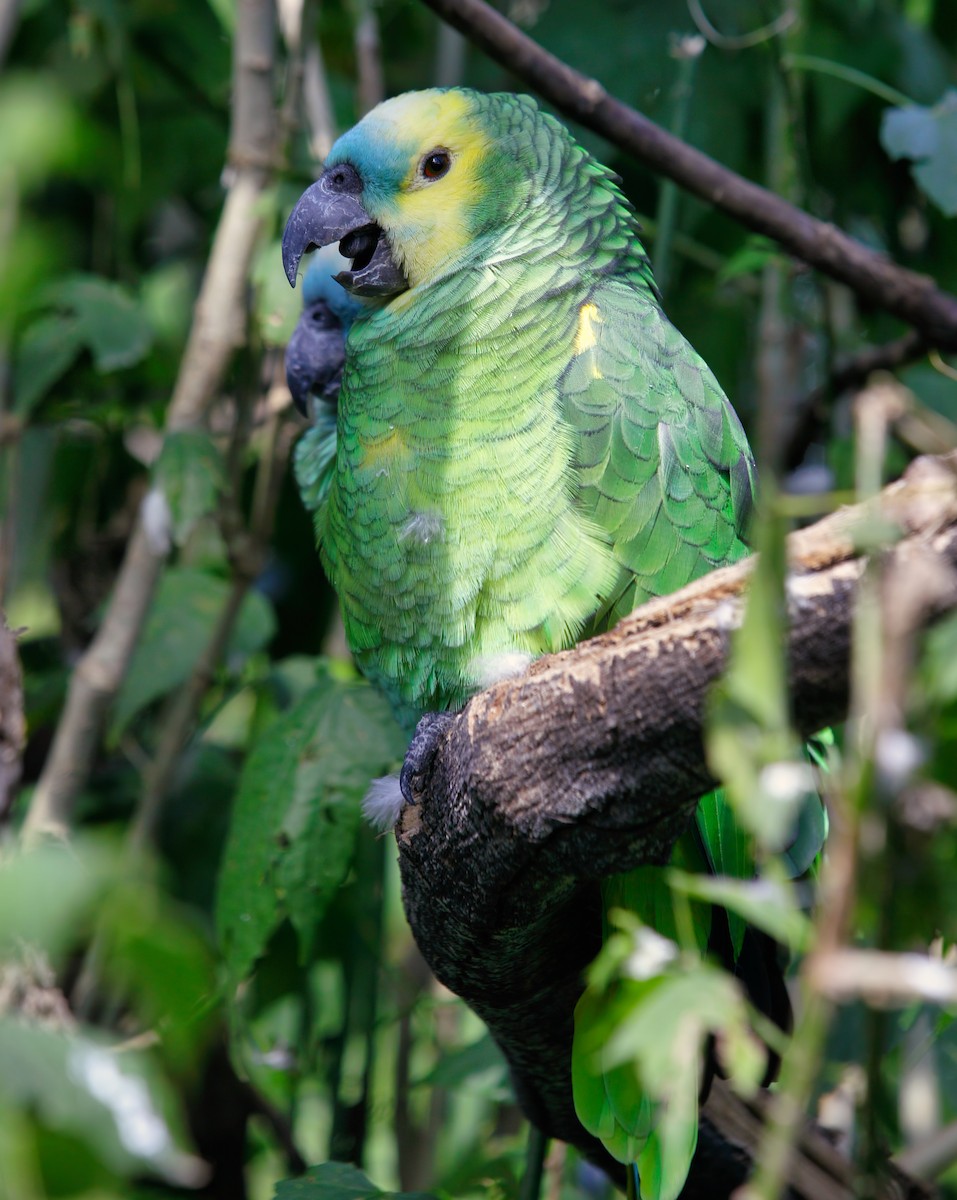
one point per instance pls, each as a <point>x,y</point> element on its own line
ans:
<point>824,66</point>
<point>688,56</point>
<point>535,1152</point>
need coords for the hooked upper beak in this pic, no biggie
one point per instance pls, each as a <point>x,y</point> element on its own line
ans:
<point>330,211</point>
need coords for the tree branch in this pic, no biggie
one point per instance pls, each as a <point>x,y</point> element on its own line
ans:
<point>911,297</point>
<point>12,723</point>
<point>218,328</point>
<point>592,764</point>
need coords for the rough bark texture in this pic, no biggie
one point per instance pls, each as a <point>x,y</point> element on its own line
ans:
<point>591,764</point>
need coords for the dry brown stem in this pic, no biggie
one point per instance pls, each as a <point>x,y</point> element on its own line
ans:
<point>218,328</point>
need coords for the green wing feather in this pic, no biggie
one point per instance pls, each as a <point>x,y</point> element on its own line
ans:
<point>663,465</point>
<point>664,469</point>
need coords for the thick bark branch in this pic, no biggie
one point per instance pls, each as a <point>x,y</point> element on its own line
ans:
<point>911,297</point>
<point>592,763</point>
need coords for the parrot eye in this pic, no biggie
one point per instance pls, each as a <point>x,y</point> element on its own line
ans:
<point>435,164</point>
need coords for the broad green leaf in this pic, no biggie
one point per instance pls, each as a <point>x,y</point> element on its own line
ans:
<point>162,966</point>
<point>764,903</point>
<point>296,815</point>
<point>187,606</point>
<point>190,473</point>
<point>39,128</point>
<point>477,1067</point>
<point>48,895</point>
<point>48,348</point>
<point>114,1102</point>
<point>928,137</point>
<point>338,1181</point>
<point>109,321</point>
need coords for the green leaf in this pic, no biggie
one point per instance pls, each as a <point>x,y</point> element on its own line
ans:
<point>39,128</point>
<point>109,321</point>
<point>48,895</point>
<point>190,474</point>
<point>114,1102</point>
<point>297,812</point>
<point>750,259</point>
<point>181,622</point>
<point>928,137</point>
<point>337,1181</point>
<point>478,1067</point>
<point>766,904</point>
<point>163,965</point>
<point>47,350</point>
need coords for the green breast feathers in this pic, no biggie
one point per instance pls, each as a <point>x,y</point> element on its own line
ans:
<point>526,448</point>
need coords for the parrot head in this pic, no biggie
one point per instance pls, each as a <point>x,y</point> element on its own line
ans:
<point>408,191</point>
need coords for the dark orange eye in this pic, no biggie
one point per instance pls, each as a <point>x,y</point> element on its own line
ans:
<point>435,164</point>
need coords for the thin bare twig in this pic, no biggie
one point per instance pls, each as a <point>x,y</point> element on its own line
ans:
<point>12,724</point>
<point>911,297</point>
<point>369,58</point>
<point>218,328</point>
<point>806,421</point>
<point>883,979</point>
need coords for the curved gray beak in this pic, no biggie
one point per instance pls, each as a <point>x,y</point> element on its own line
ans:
<point>330,211</point>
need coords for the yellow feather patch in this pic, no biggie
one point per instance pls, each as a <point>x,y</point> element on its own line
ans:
<point>585,337</point>
<point>383,452</point>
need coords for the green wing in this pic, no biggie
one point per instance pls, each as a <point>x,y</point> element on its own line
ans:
<point>664,469</point>
<point>663,465</point>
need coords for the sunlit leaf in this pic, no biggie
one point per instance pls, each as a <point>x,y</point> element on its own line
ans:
<point>763,903</point>
<point>115,1102</point>
<point>48,894</point>
<point>928,137</point>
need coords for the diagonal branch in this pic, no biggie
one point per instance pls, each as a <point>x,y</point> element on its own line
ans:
<point>592,763</point>
<point>911,297</point>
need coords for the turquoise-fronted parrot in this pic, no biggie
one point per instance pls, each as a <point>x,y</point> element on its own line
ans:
<point>525,447</point>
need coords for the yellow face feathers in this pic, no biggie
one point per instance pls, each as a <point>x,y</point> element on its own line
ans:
<point>425,152</point>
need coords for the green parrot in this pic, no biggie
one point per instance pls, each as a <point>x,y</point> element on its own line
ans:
<point>525,450</point>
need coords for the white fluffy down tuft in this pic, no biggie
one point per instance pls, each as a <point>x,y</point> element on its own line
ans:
<point>383,802</point>
<point>490,668</point>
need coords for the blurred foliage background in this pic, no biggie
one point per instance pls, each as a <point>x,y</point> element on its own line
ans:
<point>213,985</point>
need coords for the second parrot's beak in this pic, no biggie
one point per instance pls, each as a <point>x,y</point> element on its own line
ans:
<point>330,211</point>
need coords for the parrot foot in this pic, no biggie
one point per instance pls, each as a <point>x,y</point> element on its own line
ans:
<point>425,741</point>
